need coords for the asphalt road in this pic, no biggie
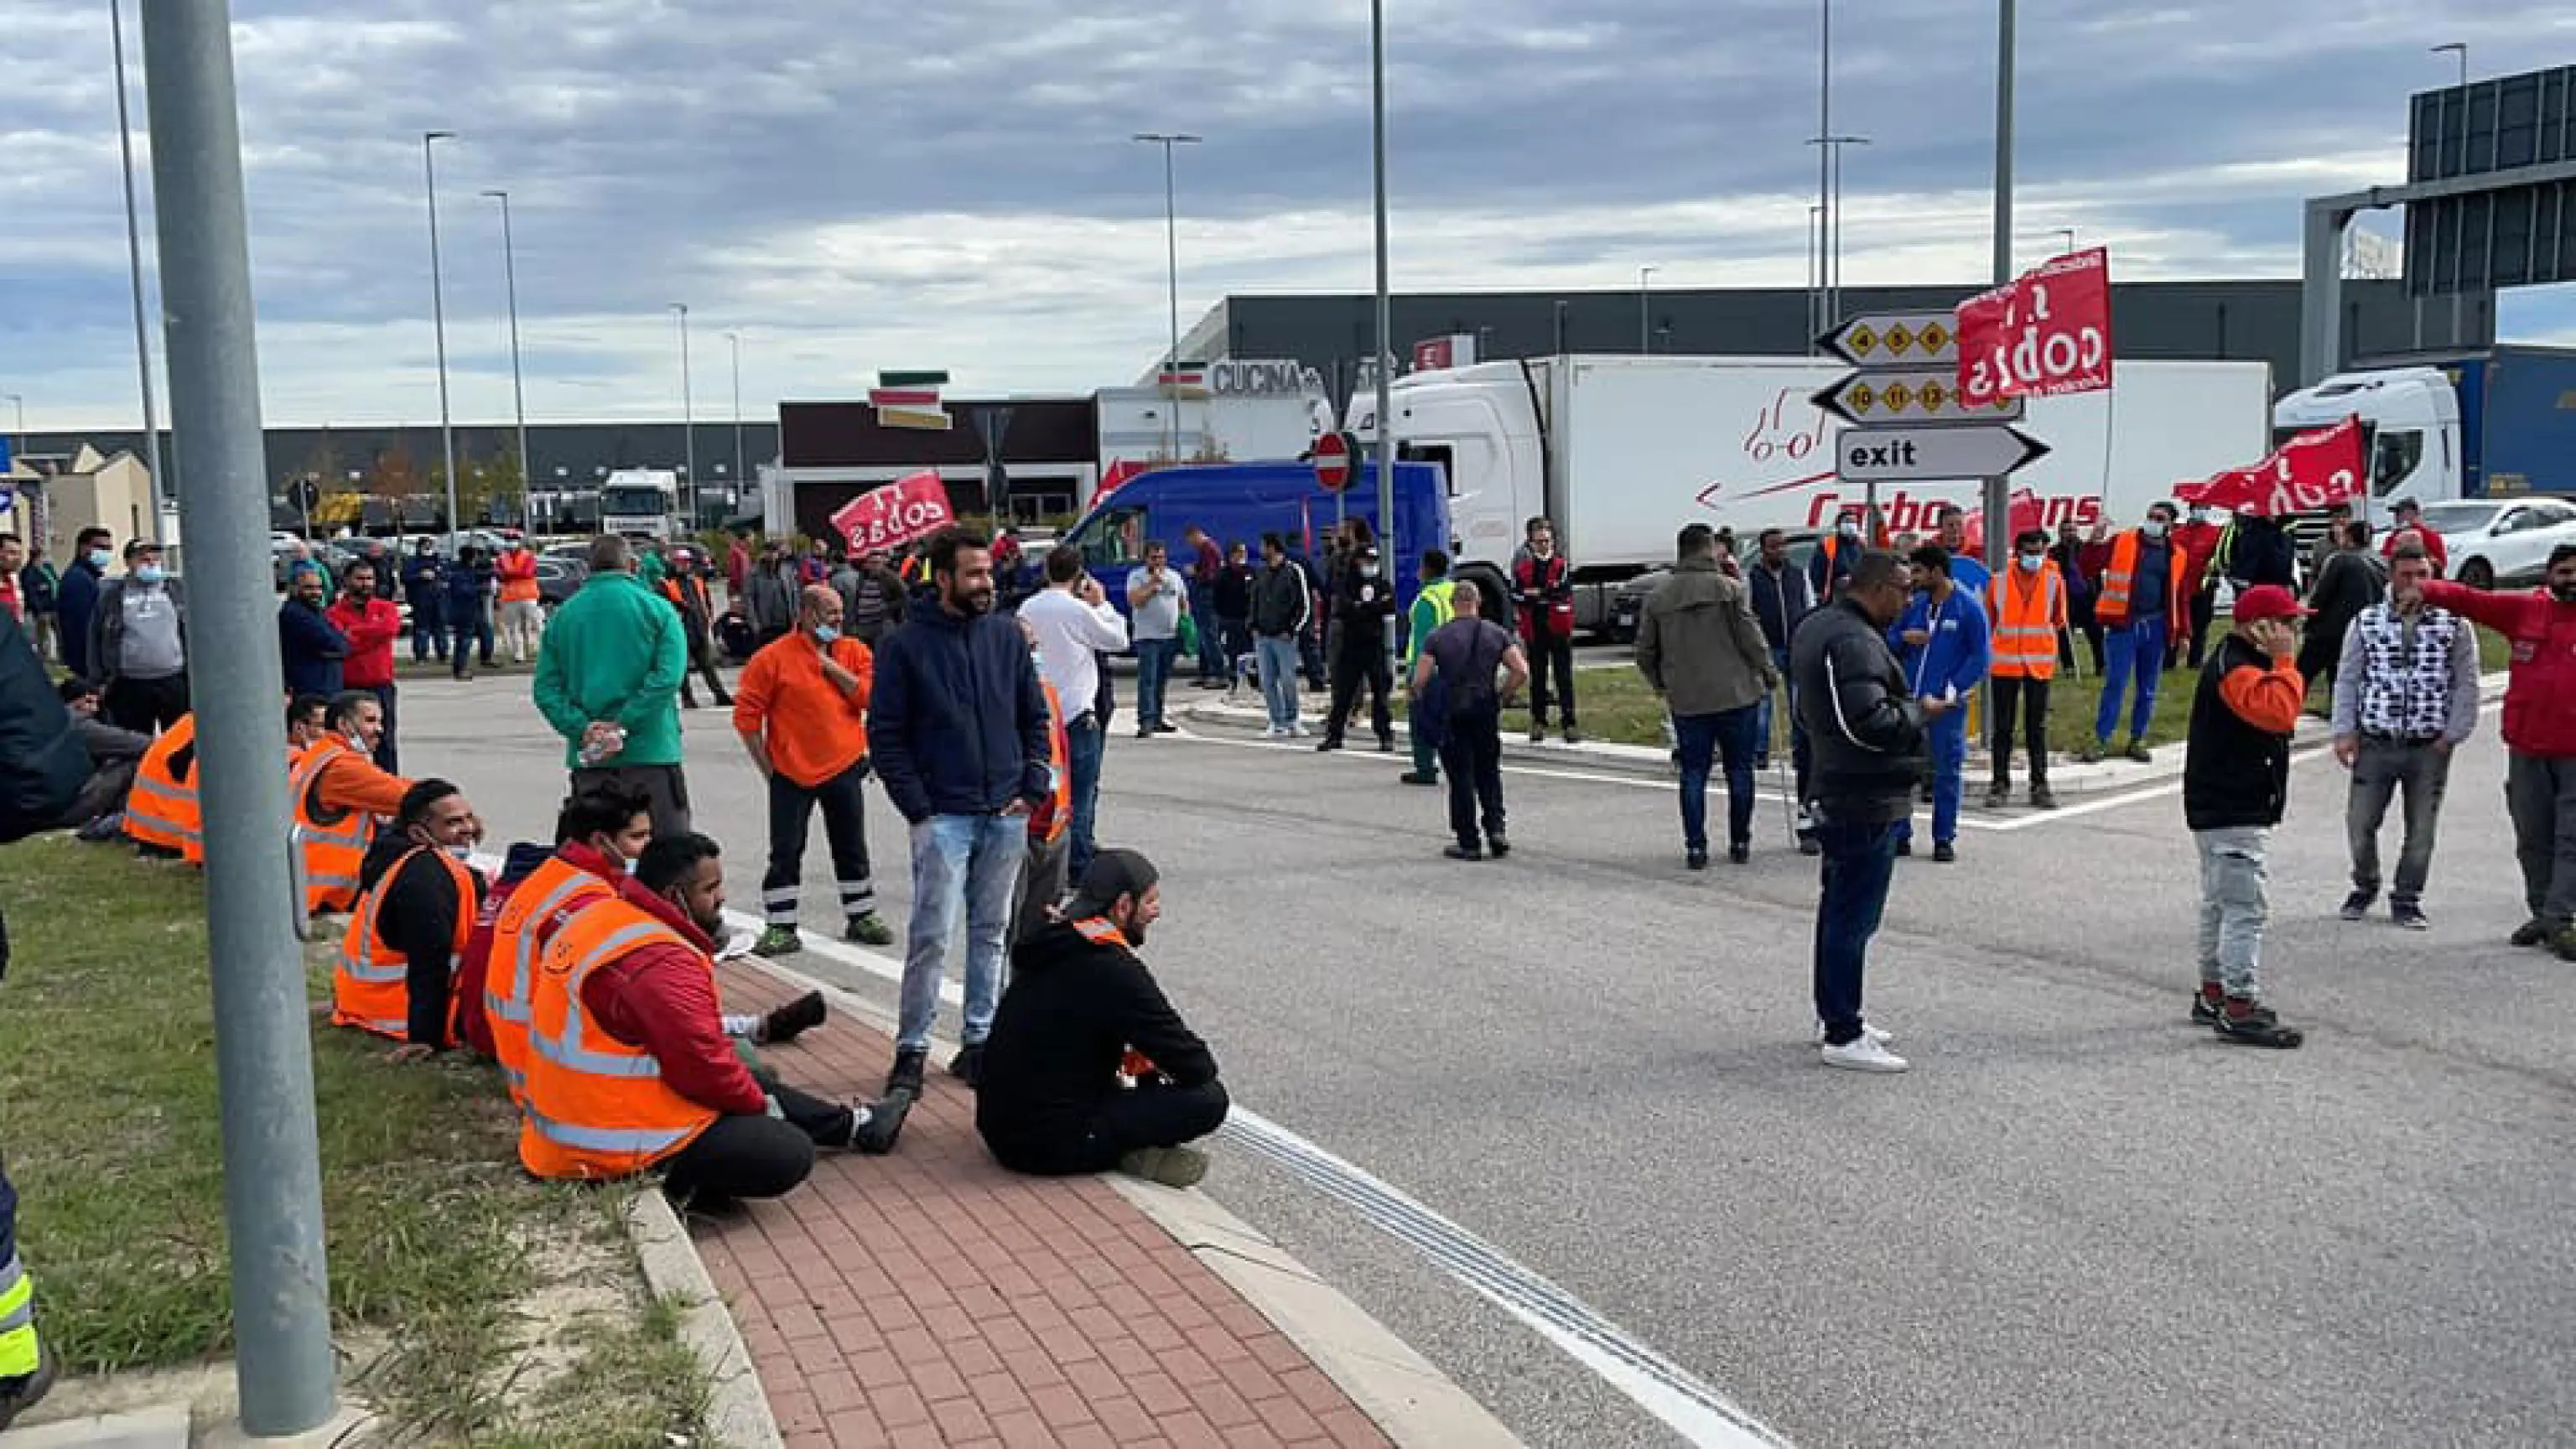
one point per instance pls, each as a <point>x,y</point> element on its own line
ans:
<point>2078,1221</point>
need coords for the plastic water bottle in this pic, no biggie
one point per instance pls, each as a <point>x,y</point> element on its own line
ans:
<point>605,746</point>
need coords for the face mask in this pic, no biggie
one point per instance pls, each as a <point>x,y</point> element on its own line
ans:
<point>461,854</point>
<point>631,863</point>
<point>2154,528</point>
<point>825,634</point>
<point>100,558</point>
<point>2030,562</point>
<point>149,574</point>
<point>1368,571</point>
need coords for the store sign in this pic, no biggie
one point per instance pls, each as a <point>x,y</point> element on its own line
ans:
<point>1251,378</point>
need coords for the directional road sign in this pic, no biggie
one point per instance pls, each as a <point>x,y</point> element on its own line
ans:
<point>1929,453</point>
<point>1896,339</point>
<point>1912,395</point>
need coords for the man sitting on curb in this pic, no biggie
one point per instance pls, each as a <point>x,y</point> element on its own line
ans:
<point>628,1065</point>
<point>397,971</point>
<point>1080,1011</point>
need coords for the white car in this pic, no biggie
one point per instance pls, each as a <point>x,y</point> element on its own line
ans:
<point>2501,542</point>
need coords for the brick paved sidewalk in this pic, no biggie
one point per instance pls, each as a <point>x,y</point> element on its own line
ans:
<point>931,1298</point>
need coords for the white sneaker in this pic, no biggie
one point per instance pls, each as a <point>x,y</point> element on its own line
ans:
<point>1297,731</point>
<point>1861,1054</point>
<point>1883,1038</point>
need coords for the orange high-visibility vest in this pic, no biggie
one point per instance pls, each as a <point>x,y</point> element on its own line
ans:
<point>2028,610</point>
<point>371,986</point>
<point>335,841</point>
<point>2112,608</point>
<point>1053,817</point>
<point>597,1107</point>
<point>162,809</point>
<point>539,907</point>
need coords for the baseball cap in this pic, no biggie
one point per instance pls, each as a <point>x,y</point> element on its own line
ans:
<point>2268,601</point>
<point>1113,873</point>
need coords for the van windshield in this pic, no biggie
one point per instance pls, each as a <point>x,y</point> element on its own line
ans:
<point>1110,537</point>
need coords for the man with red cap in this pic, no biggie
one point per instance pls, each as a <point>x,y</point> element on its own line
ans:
<point>2235,785</point>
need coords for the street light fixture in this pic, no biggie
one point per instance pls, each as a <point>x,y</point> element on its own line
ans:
<point>688,423</point>
<point>518,383</point>
<point>1830,226</point>
<point>1170,141</point>
<point>2460,49</point>
<point>1645,330</point>
<point>438,319</point>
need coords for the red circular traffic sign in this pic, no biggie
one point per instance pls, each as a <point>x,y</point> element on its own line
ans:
<point>1332,458</point>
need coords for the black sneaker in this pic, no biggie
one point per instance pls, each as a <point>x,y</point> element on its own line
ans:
<point>1905,847</point>
<point>2140,753</point>
<point>1695,858</point>
<point>24,1392</point>
<point>2358,904</point>
<point>1944,853</point>
<point>1464,852</point>
<point>2249,1025</point>
<point>2534,932</point>
<point>877,1135</point>
<point>1417,777</point>
<point>2409,915</point>
<point>2205,1009</point>
<point>1740,854</point>
<point>1998,796</point>
<point>1573,736</point>
<point>1327,745</point>
<point>1808,844</point>
<point>793,1020</point>
<point>906,1075</point>
<point>2042,798</point>
<point>968,1064</point>
<point>1496,846</point>
<point>1166,727</point>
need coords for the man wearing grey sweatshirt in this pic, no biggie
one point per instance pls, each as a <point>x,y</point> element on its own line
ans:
<point>2405,696</point>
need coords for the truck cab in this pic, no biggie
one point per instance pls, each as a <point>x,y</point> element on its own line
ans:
<point>2410,419</point>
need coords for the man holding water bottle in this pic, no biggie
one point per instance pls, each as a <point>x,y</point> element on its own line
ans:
<point>608,679</point>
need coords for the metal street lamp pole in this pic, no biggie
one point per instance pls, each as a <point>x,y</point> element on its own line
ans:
<point>688,424</point>
<point>1645,332</point>
<point>1829,225</point>
<point>1169,140</point>
<point>281,1299</point>
<point>134,265</point>
<point>518,382</point>
<point>1823,299</point>
<point>1998,491</point>
<point>438,321</point>
<point>734,340</point>
<point>1385,304</point>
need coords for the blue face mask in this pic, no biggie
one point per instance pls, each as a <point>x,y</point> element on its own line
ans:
<point>824,634</point>
<point>149,574</point>
<point>2030,562</point>
<point>100,558</point>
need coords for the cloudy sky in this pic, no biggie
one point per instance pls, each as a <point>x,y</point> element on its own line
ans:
<point>851,185</point>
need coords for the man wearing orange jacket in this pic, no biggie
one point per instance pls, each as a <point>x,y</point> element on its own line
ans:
<point>629,1067</point>
<point>2028,605</point>
<point>523,619</point>
<point>340,796</point>
<point>801,707</point>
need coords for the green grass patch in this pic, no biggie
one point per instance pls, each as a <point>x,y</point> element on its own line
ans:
<point>110,1117</point>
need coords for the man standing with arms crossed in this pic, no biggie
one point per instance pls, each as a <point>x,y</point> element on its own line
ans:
<point>1075,624</point>
<point>1282,606</point>
<point>958,725</point>
<point>801,708</point>
<point>1868,733</point>
<point>608,680</point>
<point>2540,736</point>
<point>2405,696</point>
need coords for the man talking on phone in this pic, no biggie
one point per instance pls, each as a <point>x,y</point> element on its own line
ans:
<point>1074,623</point>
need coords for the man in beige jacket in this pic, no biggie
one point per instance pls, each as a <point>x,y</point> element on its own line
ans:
<point>1701,648</point>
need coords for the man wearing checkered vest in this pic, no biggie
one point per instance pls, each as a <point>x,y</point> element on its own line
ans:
<point>2405,696</point>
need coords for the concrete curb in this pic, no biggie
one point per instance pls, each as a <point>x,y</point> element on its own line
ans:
<point>738,1414</point>
<point>1408,1396</point>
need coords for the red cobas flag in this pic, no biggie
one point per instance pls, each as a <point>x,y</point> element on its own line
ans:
<point>882,520</point>
<point>2310,472</point>
<point>2044,335</point>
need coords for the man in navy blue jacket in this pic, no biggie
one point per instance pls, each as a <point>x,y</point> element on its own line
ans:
<point>957,726</point>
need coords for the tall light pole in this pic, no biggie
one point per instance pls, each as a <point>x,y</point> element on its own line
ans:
<point>688,423</point>
<point>1817,325</point>
<point>1998,491</point>
<point>1829,226</point>
<point>134,266</point>
<point>438,320</point>
<point>1824,210</point>
<point>1171,141</point>
<point>1385,304</point>
<point>2460,49</point>
<point>518,382</point>
<point>20,403</point>
<point>1645,329</point>
<point>734,340</point>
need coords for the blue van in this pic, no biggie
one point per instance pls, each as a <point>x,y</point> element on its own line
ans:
<point>1239,502</point>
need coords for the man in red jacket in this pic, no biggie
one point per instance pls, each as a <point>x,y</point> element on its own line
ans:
<point>661,999</point>
<point>1543,593</point>
<point>371,625</point>
<point>2540,737</point>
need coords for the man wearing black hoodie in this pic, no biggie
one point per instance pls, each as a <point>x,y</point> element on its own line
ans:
<point>1082,1013</point>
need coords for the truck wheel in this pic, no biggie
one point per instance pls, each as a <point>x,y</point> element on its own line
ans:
<point>1493,593</point>
<point>2477,573</point>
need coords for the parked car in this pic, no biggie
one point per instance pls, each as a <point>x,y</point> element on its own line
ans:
<point>339,553</point>
<point>575,550</point>
<point>559,579</point>
<point>1630,600</point>
<point>2501,542</point>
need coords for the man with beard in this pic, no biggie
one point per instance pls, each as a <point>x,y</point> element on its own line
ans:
<point>957,724</point>
<point>1081,1013</point>
<point>630,1068</point>
<point>370,625</point>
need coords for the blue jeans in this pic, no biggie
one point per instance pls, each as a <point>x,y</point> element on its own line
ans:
<point>1083,742</point>
<point>1948,738</point>
<point>2132,650</point>
<point>428,630</point>
<point>968,864</point>
<point>1153,675</point>
<point>1279,678</point>
<point>1212,663</point>
<point>1702,738</point>
<point>1859,861</point>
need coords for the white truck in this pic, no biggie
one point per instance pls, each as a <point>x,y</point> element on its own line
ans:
<point>1621,451</point>
<point>640,503</point>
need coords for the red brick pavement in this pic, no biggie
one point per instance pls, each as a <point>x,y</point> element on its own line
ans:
<point>930,1298</point>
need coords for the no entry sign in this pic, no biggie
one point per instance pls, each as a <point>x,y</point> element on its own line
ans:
<point>1332,459</point>
<point>2044,335</point>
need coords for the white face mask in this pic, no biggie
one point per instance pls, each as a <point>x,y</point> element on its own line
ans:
<point>2153,528</point>
<point>461,854</point>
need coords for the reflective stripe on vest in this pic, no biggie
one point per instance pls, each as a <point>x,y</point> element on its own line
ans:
<point>596,1106</point>
<point>551,887</point>
<point>371,987</point>
<point>160,808</point>
<point>335,850</point>
<point>2025,615</point>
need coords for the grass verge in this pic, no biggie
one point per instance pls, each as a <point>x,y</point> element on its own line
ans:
<point>110,1117</point>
